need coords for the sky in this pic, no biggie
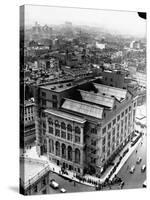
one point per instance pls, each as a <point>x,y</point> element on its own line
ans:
<point>122,22</point>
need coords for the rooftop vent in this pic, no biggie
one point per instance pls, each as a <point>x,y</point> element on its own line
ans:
<point>53,88</point>
<point>60,86</point>
<point>68,84</point>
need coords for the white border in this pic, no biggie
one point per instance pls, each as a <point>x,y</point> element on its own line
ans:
<point>9,46</point>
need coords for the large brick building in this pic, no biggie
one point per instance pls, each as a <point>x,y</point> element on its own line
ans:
<point>81,125</point>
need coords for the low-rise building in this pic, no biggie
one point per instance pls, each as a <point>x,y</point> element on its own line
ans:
<point>34,176</point>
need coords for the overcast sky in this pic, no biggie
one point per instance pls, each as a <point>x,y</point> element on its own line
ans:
<point>120,21</point>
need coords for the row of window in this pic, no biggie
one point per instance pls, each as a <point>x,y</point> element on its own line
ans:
<point>65,152</point>
<point>29,118</point>
<point>63,126</point>
<point>118,119</point>
<point>64,135</point>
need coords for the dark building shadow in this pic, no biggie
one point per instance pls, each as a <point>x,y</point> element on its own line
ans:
<point>14,189</point>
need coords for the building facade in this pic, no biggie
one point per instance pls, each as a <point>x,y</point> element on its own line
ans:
<point>28,137</point>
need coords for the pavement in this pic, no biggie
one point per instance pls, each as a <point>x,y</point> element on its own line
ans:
<point>31,153</point>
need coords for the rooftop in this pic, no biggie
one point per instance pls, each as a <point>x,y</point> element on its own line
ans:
<point>58,87</point>
<point>65,115</point>
<point>31,170</point>
<point>118,93</point>
<point>97,98</point>
<point>83,108</point>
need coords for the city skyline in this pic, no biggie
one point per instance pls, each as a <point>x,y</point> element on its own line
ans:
<point>118,22</point>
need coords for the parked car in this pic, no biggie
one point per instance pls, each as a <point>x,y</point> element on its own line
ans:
<point>139,160</point>
<point>62,190</point>
<point>132,169</point>
<point>54,184</point>
<point>143,168</point>
<point>144,184</point>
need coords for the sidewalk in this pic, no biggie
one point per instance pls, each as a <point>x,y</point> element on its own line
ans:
<point>31,153</point>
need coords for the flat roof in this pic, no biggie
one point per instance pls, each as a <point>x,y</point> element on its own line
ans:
<point>31,170</point>
<point>58,87</point>
<point>118,93</point>
<point>97,98</point>
<point>65,115</point>
<point>83,108</point>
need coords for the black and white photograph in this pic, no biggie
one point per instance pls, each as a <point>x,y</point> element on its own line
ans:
<point>83,119</point>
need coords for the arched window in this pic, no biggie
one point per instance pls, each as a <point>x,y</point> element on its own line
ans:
<point>57,148</point>
<point>63,148</point>
<point>69,127</point>
<point>77,155</point>
<point>77,130</point>
<point>57,123</point>
<point>50,121</point>
<point>69,153</point>
<point>63,125</point>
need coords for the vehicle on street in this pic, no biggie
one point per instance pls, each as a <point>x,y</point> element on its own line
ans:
<point>144,184</point>
<point>54,184</point>
<point>62,190</point>
<point>143,168</point>
<point>132,169</point>
<point>139,160</point>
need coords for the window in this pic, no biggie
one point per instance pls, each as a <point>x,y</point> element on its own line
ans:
<point>54,104</point>
<point>77,139</point>
<point>54,97</point>
<point>126,111</point>
<point>63,134</point>
<point>77,130</point>
<point>104,139</point>
<point>94,130</point>
<point>69,127</point>
<point>57,124</point>
<point>108,144</point>
<point>118,117</point>
<point>108,152</point>
<point>57,132</point>
<point>109,135</point>
<point>44,125</point>
<point>93,142</point>
<point>122,114</point>
<point>129,108</point>
<point>114,131</point>
<point>121,123</point>
<point>77,155</point>
<point>104,130</point>
<point>135,104</point>
<point>43,102</point>
<point>118,126</point>
<point>113,139</point>
<point>63,125</point>
<point>69,137</point>
<point>50,121</point>
<point>113,147</point>
<point>103,149</point>
<point>117,134</point>
<point>114,121</point>
<point>50,130</point>
<point>43,94</point>
<point>109,125</point>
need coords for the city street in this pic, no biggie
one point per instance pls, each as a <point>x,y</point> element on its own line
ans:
<point>69,185</point>
<point>136,179</point>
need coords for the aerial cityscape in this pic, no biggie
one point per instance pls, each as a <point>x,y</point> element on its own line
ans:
<point>82,100</point>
